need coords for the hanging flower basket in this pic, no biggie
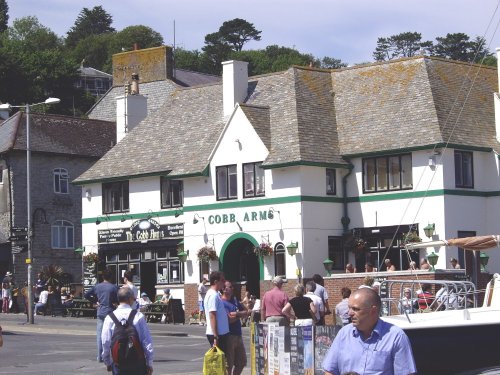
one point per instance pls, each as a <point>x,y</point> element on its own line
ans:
<point>411,237</point>
<point>91,258</point>
<point>206,254</point>
<point>264,249</point>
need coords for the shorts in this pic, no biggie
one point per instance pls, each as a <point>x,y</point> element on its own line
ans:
<point>303,322</point>
<point>200,306</point>
<point>235,353</point>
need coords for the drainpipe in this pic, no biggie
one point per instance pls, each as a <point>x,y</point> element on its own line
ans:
<point>345,218</point>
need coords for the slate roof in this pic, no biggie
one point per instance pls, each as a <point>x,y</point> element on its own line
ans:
<point>412,103</point>
<point>156,92</point>
<point>315,117</point>
<point>58,134</point>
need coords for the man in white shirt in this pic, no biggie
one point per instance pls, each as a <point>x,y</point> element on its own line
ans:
<point>127,281</point>
<point>42,300</point>
<point>318,302</point>
<point>122,312</point>
<point>217,321</point>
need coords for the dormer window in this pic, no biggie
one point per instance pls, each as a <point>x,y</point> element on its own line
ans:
<point>253,180</point>
<point>227,182</point>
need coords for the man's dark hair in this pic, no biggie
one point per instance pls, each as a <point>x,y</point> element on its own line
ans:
<point>346,292</point>
<point>127,275</point>
<point>106,274</point>
<point>124,294</point>
<point>318,279</point>
<point>216,276</point>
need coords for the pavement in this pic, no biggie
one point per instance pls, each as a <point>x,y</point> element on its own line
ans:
<point>68,326</point>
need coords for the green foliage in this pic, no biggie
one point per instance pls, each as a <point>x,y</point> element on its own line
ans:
<point>459,47</point>
<point>4,15</point>
<point>144,36</point>
<point>93,21</point>
<point>94,51</point>
<point>406,44</point>
<point>237,32</point>
<point>52,274</point>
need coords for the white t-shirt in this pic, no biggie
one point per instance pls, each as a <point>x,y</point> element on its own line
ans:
<point>213,302</point>
<point>202,291</point>
<point>44,296</point>
<point>318,303</point>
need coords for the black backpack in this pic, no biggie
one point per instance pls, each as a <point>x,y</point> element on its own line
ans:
<point>126,348</point>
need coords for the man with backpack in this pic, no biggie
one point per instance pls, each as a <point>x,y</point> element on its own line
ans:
<point>126,340</point>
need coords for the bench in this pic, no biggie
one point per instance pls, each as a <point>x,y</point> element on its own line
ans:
<point>155,311</point>
<point>82,307</point>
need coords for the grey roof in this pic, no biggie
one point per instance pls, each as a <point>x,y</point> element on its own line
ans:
<point>412,103</point>
<point>91,72</point>
<point>314,117</point>
<point>156,92</point>
<point>58,134</point>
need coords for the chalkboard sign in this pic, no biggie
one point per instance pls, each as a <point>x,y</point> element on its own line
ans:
<point>89,276</point>
<point>177,311</point>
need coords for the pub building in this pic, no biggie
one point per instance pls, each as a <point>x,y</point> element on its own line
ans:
<point>299,162</point>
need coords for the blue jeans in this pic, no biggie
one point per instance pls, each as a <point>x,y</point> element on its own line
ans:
<point>100,323</point>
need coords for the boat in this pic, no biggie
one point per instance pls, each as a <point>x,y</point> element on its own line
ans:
<point>462,337</point>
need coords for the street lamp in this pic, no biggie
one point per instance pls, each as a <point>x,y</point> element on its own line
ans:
<point>432,258</point>
<point>7,107</point>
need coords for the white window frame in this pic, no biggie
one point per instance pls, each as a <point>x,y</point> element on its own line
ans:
<point>63,235</point>
<point>61,181</point>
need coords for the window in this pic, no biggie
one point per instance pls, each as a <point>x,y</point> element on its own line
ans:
<point>227,186</point>
<point>464,173</point>
<point>336,253</point>
<point>253,180</point>
<point>61,179</point>
<point>279,260</point>
<point>170,271</point>
<point>62,235</point>
<point>331,186</point>
<point>171,193</point>
<point>387,173</point>
<point>1,175</point>
<point>115,197</point>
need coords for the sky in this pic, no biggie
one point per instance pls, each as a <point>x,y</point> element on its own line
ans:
<point>342,29</point>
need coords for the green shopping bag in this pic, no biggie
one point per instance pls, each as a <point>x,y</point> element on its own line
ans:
<point>214,362</point>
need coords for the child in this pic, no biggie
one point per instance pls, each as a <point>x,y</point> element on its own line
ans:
<point>5,297</point>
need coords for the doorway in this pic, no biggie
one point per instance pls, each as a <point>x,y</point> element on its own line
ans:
<point>241,264</point>
<point>148,279</point>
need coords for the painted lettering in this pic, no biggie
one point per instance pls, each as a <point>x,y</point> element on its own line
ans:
<point>254,216</point>
<point>211,219</point>
<point>246,217</point>
<point>232,218</point>
<point>224,218</point>
<point>263,215</point>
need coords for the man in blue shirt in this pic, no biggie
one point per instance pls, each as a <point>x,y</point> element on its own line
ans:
<point>235,350</point>
<point>369,345</point>
<point>105,294</point>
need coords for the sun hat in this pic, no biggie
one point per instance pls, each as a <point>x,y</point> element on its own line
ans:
<point>144,294</point>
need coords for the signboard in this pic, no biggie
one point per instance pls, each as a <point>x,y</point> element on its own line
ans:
<point>18,249</point>
<point>89,276</point>
<point>19,237</point>
<point>323,339</point>
<point>21,230</point>
<point>141,230</point>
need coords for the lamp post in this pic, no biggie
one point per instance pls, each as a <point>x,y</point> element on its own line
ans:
<point>328,264</point>
<point>28,194</point>
<point>432,258</point>
<point>484,258</point>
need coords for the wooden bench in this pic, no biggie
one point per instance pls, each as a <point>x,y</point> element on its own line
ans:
<point>82,307</point>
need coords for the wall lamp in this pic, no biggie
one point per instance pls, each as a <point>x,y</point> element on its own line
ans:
<point>88,194</point>
<point>292,248</point>
<point>270,214</point>
<point>178,213</point>
<point>150,214</point>
<point>195,220</point>
<point>101,218</point>
<point>125,217</point>
<point>429,230</point>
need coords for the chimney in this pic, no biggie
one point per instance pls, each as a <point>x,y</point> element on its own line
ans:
<point>131,108</point>
<point>234,84</point>
<point>496,97</point>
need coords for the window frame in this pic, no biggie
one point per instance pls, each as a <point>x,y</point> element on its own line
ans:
<point>1,175</point>
<point>280,256</point>
<point>108,202</point>
<point>376,164</point>
<point>61,179</point>
<point>462,168</point>
<point>172,258</point>
<point>228,185</point>
<point>329,173</point>
<point>166,189</point>
<point>256,167</point>
<point>335,245</point>
<point>68,237</point>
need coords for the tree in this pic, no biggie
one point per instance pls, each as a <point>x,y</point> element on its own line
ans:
<point>459,47</point>
<point>401,45</point>
<point>4,15</point>
<point>237,32</point>
<point>332,63</point>
<point>217,50</point>
<point>144,36</point>
<point>93,21</point>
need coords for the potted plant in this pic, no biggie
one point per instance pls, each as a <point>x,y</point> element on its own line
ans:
<point>91,258</point>
<point>206,254</point>
<point>264,249</point>
<point>359,245</point>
